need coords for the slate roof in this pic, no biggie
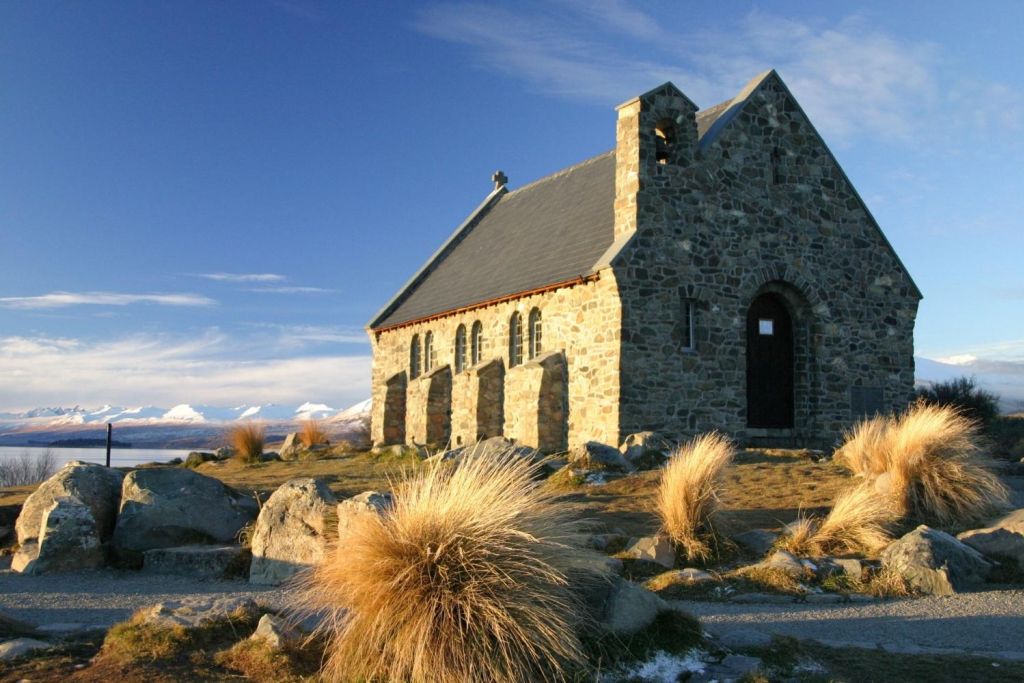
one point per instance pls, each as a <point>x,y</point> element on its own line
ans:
<point>551,231</point>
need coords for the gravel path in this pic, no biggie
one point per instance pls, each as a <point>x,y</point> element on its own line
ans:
<point>105,597</point>
<point>988,623</point>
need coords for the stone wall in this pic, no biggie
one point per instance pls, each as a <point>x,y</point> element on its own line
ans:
<point>537,402</point>
<point>762,208</point>
<point>581,322</point>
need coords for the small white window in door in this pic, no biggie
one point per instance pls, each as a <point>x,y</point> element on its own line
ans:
<point>766,327</point>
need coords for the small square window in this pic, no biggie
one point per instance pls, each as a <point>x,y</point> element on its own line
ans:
<point>766,327</point>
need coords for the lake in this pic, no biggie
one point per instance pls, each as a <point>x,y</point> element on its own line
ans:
<point>119,457</point>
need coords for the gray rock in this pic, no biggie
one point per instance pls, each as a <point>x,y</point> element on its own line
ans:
<point>739,665</point>
<point>198,611</point>
<point>636,446</point>
<point>292,446</point>
<point>224,452</point>
<point>275,632</point>
<point>744,638</point>
<point>20,647</point>
<point>197,561</point>
<point>68,540</point>
<point>757,541</point>
<point>365,503</point>
<point>629,608</point>
<point>291,531</point>
<point>827,566</point>
<point>96,486</point>
<point>165,508</point>
<point>598,456</point>
<point>197,458</point>
<point>694,575</point>
<point>1002,539</point>
<point>936,563</point>
<point>785,561</point>
<point>657,549</point>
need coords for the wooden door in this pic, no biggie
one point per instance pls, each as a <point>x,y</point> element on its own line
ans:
<point>769,364</point>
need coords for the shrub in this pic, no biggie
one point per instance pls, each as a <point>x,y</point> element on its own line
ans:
<point>965,396</point>
<point>859,521</point>
<point>464,578</point>
<point>27,469</point>
<point>688,493</point>
<point>929,460</point>
<point>247,440</point>
<point>312,433</point>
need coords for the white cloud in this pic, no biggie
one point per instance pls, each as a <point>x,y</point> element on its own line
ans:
<point>290,290</point>
<point>244,277</point>
<point>851,77</point>
<point>62,299</point>
<point>158,370</point>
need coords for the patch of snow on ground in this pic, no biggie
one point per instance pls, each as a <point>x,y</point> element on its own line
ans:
<point>665,668</point>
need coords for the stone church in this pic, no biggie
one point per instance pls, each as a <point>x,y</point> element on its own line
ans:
<point>716,270</point>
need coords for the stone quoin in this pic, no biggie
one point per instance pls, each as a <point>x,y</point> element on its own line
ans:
<point>716,270</point>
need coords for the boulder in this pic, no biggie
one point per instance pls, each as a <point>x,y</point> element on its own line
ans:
<point>291,447</point>
<point>96,486</point>
<point>67,540</point>
<point>852,567</point>
<point>598,456</point>
<point>638,448</point>
<point>197,561</point>
<point>164,508</point>
<point>198,612</point>
<point>275,632</point>
<point>786,562</point>
<point>627,607</point>
<point>19,647</point>
<point>1003,539</point>
<point>224,452</point>
<point>936,563</point>
<point>757,541</point>
<point>291,531</point>
<point>197,458</point>
<point>657,549</point>
<point>365,503</point>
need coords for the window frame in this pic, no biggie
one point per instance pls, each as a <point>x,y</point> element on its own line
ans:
<point>535,330</point>
<point>476,343</point>
<point>415,357</point>
<point>515,340</point>
<point>460,348</point>
<point>429,353</point>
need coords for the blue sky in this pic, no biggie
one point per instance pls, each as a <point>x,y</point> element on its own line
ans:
<point>206,201</point>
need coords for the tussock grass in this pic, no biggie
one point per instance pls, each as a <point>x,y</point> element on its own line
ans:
<point>464,578</point>
<point>930,462</point>
<point>689,490</point>
<point>247,439</point>
<point>312,433</point>
<point>859,522</point>
<point>257,661</point>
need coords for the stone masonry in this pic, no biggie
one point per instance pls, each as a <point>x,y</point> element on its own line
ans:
<point>712,211</point>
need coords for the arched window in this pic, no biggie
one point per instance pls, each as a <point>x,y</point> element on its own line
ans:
<point>429,359</point>
<point>476,351</point>
<point>414,357</point>
<point>535,333</point>
<point>664,140</point>
<point>515,340</point>
<point>460,349</point>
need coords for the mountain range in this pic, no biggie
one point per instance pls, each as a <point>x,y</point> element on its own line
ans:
<point>181,426</point>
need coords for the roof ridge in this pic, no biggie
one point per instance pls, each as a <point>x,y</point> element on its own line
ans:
<point>561,172</point>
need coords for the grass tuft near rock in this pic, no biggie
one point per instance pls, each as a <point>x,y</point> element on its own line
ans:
<point>930,462</point>
<point>464,578</point>
<point>689,493</point>
<point>859,522</point>
<point>247,439</point>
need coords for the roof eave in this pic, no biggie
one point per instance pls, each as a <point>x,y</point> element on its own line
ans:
<point>418,276</point>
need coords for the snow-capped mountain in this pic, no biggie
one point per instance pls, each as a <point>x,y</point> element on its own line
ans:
<point>183,413</point>
<point>1003,378</point>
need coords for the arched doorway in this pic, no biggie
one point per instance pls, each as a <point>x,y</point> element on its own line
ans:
<point>769,363</point>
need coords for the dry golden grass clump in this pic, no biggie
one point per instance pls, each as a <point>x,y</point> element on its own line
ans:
<point>247,439</point>
<point>312,433</point>
<point>860,521</point>
<point>463,579</point>
<point>929,460</point>
<point>688,493</point>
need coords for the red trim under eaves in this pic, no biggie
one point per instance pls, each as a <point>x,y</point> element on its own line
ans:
<point>491,302</point>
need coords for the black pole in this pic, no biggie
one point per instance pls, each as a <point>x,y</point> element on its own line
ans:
<point>110,428</point>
